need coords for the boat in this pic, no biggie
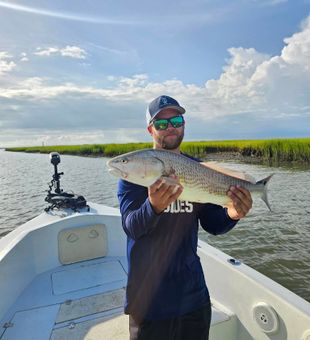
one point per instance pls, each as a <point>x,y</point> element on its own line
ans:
<point>64,272</point>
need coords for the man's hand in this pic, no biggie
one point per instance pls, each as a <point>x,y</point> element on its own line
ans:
<point>241,202</point>
<point>163,192</point>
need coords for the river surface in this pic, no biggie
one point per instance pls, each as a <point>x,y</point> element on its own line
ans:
<point>275,243</point>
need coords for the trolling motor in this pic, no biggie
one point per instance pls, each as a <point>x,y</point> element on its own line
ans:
<point>60,199</point>
<point>55,160</point>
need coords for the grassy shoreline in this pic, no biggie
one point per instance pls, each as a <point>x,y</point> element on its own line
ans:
<point>269,150</point>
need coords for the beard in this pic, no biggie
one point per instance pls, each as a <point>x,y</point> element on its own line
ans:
<point>167,144</point>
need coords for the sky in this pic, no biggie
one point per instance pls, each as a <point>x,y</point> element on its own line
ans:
<point>83,71</point>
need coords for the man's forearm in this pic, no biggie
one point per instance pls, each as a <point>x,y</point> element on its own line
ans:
<point>215,220</point>
<point>141,221</point>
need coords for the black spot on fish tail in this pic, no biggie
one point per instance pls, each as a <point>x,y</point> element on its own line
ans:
<point>265,181</point>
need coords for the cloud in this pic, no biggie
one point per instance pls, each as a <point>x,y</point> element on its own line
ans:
<point>297,50</point>
<point>267,86</point>
<point>66,15</point>
<point>47,51</point>
<point>23,57</point>
<point>269,2</point>
<point>68,51</point>
<point>256,95</point>
<point>169,15</point>
<point>6,65</point>
<point>125,55</point>
<point>17,137</point>
<point>125,88</point>
<point>73,52</point>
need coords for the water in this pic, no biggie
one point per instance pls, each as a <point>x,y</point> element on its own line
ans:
<point>276,243</point>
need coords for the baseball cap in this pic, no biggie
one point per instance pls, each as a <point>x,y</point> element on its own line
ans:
<point>160,103</point>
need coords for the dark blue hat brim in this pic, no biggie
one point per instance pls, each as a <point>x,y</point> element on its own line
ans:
<point>175,107</point>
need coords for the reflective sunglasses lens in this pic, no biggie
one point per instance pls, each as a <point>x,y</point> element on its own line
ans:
<point>177,121</point>
<point>161,124</point>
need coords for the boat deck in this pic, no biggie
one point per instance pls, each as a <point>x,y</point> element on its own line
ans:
<point>63,276</point>
<point>83,301</point>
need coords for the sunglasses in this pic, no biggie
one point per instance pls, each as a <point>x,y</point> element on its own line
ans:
<point>162,124</point>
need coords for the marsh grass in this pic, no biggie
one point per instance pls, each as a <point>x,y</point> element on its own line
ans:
<point>85,149</point>
<point>275,150</point>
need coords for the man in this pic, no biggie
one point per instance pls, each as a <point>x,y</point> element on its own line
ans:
<point>166,295</point>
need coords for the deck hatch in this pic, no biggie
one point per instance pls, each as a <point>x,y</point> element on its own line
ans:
<point>32,324</point>
<point>90,305</point>
<point>111,327</point>
<point>87,276</point>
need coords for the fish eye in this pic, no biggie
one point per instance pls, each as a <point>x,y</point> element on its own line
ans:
<point>124,160</point>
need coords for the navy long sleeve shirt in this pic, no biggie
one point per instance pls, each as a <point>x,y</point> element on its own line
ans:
<point>165,277</point>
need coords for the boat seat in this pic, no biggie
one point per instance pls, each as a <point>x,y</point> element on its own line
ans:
<point>84,243</point>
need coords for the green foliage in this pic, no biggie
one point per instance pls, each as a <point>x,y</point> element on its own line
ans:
<point>276,150</point>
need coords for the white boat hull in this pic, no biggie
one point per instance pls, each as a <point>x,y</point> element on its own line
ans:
<point>58,282</point>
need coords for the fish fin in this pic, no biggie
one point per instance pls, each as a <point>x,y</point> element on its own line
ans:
<point>229,172</point>
<point>264,197</point>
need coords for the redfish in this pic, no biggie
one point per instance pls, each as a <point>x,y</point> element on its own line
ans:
<point>202,182</point>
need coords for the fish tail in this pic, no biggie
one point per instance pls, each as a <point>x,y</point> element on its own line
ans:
<point>264,197</point>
